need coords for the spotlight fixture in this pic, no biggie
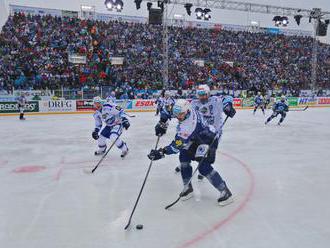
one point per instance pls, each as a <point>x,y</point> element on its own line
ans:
<point>199,13</point>
<point>285,21</point>
<point>138,3</point>
<point>188,8</point>
<point>298,18</point>
<point>108,4</point>
<point>207,16</point>
<point>114,4</point>
<point>119,5</point>
<point>277,20</point>
<point>149,5</point>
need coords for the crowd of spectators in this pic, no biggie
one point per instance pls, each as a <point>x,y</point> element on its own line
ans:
<point>34,55</point>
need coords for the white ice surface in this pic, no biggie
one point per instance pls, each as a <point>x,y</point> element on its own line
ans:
<point>61,206</point>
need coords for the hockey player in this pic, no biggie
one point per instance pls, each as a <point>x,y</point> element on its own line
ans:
<point>21,101</point>
<point>194,139</point>
<point>259,102</point>
<point>115,120</point>
<point>159,102</point>
<point>211,108</point>
<point>280,107</point>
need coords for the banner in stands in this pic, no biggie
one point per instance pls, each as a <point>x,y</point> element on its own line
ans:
<point>35,95</point>
<point>307,100</point>
<point>58,106</point>
<point>85,105</point>
<point>34,11</point>
<point>12,107</point>
<point>7,98</point>
<point>142,104</point>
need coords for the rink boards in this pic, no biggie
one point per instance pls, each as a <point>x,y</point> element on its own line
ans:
<point>136,105</point>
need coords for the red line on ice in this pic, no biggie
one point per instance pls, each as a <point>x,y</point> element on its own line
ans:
<point>233,214</point>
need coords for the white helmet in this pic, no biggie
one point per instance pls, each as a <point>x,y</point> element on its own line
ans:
<point>167,93</point>
<point>97,99</point>
<point>203,89</point>
<point>181,106</point>
<point>283,98</point>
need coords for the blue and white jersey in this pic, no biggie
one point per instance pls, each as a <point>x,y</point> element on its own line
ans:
<point>258,100</point>
<point>160,102</point>
<point>280,106</point>
<point>110,114</point>
<point>193,130</point>
<point>211,111</point>
<point>166,109</point>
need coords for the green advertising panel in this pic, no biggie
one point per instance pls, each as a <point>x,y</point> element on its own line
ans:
<point>12,107</point>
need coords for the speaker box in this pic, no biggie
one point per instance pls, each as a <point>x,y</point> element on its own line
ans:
<point>155,16</point>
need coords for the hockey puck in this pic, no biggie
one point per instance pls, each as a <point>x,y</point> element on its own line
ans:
<point>139,226</point>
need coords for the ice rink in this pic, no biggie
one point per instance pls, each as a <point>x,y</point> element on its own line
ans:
<point>279,175</point>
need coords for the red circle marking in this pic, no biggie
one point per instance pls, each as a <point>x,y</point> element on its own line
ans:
<point>29,169</point>
<point>233,214</point>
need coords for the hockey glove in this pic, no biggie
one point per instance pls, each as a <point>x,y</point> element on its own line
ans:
<point>156,154</point>
<point>95,134</point>
<point>161,128</point>
<point>125,123</point>
<point>229,110</point>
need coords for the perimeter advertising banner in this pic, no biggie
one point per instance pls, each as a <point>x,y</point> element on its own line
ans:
<point>141,104</point>
<point>237,102</point>
<point>12,107</point>
<point>85,105</point>
<point>58,106</point>
<point>307,101</point>
<point>323,101</point>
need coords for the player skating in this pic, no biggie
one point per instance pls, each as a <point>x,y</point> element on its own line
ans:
<point>21,101</point>
<point>211,108</point>
<point>193,140</point>
<point>281,107</point>
<point>115,120</point>
<point>259,103</point>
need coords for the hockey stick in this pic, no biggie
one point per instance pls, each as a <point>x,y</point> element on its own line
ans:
<point>104,155</point>
<point>303,109</point>
<point>144,182</point>
<point>202,160</point>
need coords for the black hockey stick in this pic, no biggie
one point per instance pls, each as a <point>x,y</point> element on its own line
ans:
<point>303,109</point>
<point>144,182</point>
<point>103,156</point>
<point>205,155</point>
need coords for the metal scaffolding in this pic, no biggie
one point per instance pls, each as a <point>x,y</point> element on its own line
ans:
<point>315,14</point>
<point>245,6</point>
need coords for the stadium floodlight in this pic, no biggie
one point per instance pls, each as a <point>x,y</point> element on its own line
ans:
<point>149,5</point>
<point>119,5</point>
<point>138,3</point>
<point>277,20</point>
<point>188,8</point>
<point>285,21</point>
<point>199,13</point>
<point>108,4</point>
<point>207,16</point>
